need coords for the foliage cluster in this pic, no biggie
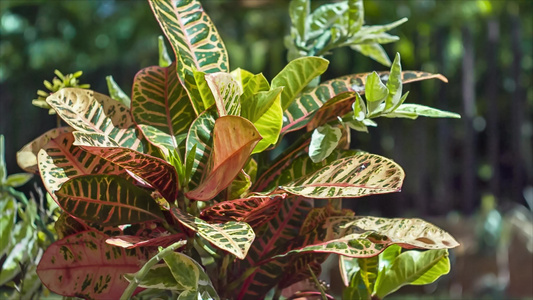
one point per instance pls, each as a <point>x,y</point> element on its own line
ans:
<point>186,164</point>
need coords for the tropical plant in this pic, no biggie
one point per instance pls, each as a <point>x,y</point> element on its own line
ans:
<point>177,190</point>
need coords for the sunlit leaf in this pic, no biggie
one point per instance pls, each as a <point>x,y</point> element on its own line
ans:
<point>226,91</point>
<point>323,141</point>
<point>8,207</point>
<point>107,200</point>
<point>200,134</point>
<point>355,176</point>
<point>233,141</point>
<point>164,58</point>
<point>394,85</point>
<point>269,126</point>
<point>413,111</point>
<point>233,237</point>
<point>83,265</point>
<point>375,51</point>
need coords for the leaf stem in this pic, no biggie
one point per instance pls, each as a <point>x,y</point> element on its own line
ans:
<point>206,247</point>
<point>223,272</point>
<point>139,276</point>
<point>317,283</point>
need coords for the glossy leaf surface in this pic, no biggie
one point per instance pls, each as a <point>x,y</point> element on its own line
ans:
<point>356,176</point>
<point>226,91</point>
<point>107,200</point>
<point>234,138</point>
<point>233,237</point>
<point>413,111</point>
<point>200,135</point>
<point>89,111</point>
<point>83,265</point>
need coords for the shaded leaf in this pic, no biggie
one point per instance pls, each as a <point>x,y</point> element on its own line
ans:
<point>200,134</point>
<point>108,200</point>
<point>323,141</point>
<point>18,179</point>
<point>375,51</point>
<point>8,207</point>
<point>116,92</point>
<point>164,58</point>
<point>83,265</point>
<point>134,241</point>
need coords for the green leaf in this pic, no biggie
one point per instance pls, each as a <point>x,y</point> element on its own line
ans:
<point>359,108</point>
<point>259,104</point>
<point>355,16</point>
<point>164,58</point>
<point>296,76</point>
<point>83,265</point>
<point>269,125</point>
<point>356,288</point>
<point>414,267</point>
<point>299,11</point>
<point>158,277</point>
<point>323,141</point>
<point>375,51</point>
<point>226,91</point>
<point>233,237</point>
<point>204,89</point>
<point>108,200</point>
<point>234,138</point>
<point>27,155</point>
<point>324,16</point>
<point>412,111</point>
<point>8,207</point>
<point>19,179</point>
<point>394,85</point>
<point>252,84</point>
<point>195,41</point>
<point>184,270</point>
<point>355,176</point>
<point>24,247</point>
<point>382,28</point>
<point>88,111</point>
<point>368,269</point>
<point>60,160</point>
<point>155,171</point>
<point>376,92</point>
<point>160,101</point>
<point>3,169</point>
<point>200,134</point>
<point>116,92</point>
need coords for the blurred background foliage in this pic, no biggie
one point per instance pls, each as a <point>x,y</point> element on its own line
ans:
<point>484,48</point>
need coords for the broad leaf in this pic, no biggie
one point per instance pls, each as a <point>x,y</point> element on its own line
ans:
<point>233,141</point>
<point>8,207</point>
<point>413,111</point>
<point>394,85</point>
<point>375,51</point>
<point>134,241</point>
<point>195,42</point>
<point>252,84</point>
<point>60,160</point>
<point>155,171</point>
<point>323,141</point>
<point>160,101</point>
<point>17,180</point>
<point>376,92</point>
<point>88,111</point>
<point>226,91</point>
<point>158,276</point>
<point>413,267</point>
<point>233,237</point>
<point>254,210</point>
<point>332,109</point>
<point>269,125</point>
<point>116,92</point>
<point>355,176</point>
<point>107,200</point>
<point>259,103</point>
<point>299,11</point>
<point>296,76</point>
<point>200,134</point>
<point>356,288</point>
<point>362,237</point>
<point>27,156</point>
<point>83,265</point>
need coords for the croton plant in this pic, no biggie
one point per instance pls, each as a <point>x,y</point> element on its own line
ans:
<point>175,190</point>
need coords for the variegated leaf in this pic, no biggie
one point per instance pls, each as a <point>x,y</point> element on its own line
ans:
<point>60,160</point>
<point>108,200</point>
<point>159,100</point>
<point>298,113</point>
<point>254,210</point>
<point>234,138</point>
<point>350,177</point>
<point>134,241</point>
<point>195,42</point>
<point>27,155</point>
<point>200,135</point>
<point>88,111</point>
<point>233,237</point>
<point>155,171</point>
<point>83,265</point>
<point>359,236</point>
<point>277,233</point>
<point>226,91</point>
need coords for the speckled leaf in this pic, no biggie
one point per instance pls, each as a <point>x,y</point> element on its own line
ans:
<point>83,265</point>
<point>155,171</point>
<point>356,176</point>
<point>234,138</point>
<point>200,134</point>
<point>88,111</point>
<point>107,200</point>
<point>194,39</point>
<point>307,103</point>
<point>159,100</point>
<point>413,111</point>
<point>324,140</point>
<point>233,237</point>
<point>226,91</point>
<point>27,155</point>
<point>60,160</point>
<point>254,210</point>
<point>360,236</point>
